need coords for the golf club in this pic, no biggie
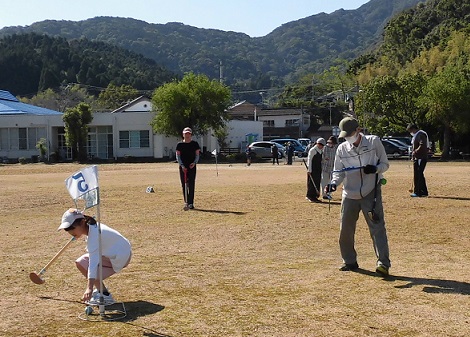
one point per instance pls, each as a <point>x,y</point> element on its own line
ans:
<point>350,168</point>
<point>371,214</point>
<point>311,179</point>
<point>36,278</point>
<point>186,190</point>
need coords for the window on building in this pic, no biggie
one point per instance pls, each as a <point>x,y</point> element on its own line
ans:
<point>134,139</point>
<point>100,142</point>
<point>268,123</point>
<point>21,138</point>
<point>292,122</point>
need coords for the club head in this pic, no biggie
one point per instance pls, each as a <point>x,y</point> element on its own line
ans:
<point>36,278</point>
<point>373,216</point>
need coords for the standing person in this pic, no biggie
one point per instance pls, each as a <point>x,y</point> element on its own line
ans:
<point>290,152</point>
<point>115,248</point>
<point>419,155</point>
<point>275,153</point>
<point>361,192</point>
<point>314,170</point>
<point>187,155</point>
<point>327,163</point>
<point>248,155</point>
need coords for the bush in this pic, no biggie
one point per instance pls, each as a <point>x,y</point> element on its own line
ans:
<point>22,160</point>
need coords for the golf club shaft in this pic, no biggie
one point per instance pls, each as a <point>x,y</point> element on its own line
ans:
<point>351,168</point>
<point>43,270</point>
<point>311,178</point>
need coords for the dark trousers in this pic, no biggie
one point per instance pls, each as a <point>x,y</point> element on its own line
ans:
<point>276,158</point>
<point>191,176</point>
<point>420,187</point>
<point>311,190</point>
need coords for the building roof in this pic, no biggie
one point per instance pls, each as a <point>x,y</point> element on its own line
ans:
<point>132,105</point>
<point>10,105</point>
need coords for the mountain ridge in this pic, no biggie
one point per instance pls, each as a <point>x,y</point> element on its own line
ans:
<point>310,44</point>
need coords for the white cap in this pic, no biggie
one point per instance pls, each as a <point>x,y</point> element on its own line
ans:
<point>69,217</point>
<point>187,130</point>
<point>321,141</point>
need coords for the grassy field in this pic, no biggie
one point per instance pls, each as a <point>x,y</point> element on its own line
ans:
<point>254,258</point>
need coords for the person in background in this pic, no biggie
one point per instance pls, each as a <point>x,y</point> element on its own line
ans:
<point>115,248</point>
<point>314,170</point>
<point>359,164</point>
<point>187,155</point>
<point>289,152</point>
<point>275,153</point>
<point>419,155</point>
<point>328,159</point>
<point>248,155</point>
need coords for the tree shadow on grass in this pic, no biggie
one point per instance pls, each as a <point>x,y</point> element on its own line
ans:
<point>432,286</point>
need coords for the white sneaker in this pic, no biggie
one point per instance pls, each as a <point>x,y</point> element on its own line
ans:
<point>95,299</point>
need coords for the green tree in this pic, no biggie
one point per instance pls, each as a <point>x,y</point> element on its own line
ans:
<point>387,103</point>
<point>68,97</point>
<point>114,97</point>
<point>76,129</point>
<point>446,98</point>
<point>194,101</point>
<point>41,145</point>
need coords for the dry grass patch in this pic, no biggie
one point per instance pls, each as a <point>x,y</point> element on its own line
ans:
<point>254,258</point>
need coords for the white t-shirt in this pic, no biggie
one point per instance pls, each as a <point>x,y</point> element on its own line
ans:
<point>113,246</point>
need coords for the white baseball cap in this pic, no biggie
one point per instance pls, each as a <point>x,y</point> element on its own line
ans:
<point>69,217</point>
<point>321,141</point>
<point>187,130</point>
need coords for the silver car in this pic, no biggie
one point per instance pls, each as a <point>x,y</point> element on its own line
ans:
<point>262,149</point>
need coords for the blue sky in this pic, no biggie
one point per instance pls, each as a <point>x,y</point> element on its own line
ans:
<point>252,17</point>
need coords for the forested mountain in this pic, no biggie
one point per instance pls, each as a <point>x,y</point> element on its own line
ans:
<point>306,45</point>
<point>425,26</point>
<point>30,63</point>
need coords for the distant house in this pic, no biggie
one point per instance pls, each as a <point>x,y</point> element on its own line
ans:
<point>23,125</point>
<point>282,122</point>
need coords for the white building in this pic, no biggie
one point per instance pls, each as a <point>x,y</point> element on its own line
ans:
<point>125,132</point>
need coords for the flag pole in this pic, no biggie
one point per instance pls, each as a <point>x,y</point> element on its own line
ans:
<point>215,155</point>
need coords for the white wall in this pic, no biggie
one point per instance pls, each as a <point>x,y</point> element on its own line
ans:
<point>237,131</point>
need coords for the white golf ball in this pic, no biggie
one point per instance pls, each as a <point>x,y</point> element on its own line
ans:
<point>88,310</point>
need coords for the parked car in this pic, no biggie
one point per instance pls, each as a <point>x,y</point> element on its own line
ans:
<point>263,149</point>
<point>304,141</point>
<point>393,150</point>
<point>299,150</point>
<point>404,140</point>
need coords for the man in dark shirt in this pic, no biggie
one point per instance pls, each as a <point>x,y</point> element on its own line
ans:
<point>419,148</point>
<point>187,154</point>
<point>275,153</point>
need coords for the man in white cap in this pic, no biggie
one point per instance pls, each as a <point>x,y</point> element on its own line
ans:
<point>187,155</point>
<point>359,164</point>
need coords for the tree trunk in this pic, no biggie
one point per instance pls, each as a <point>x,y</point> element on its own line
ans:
<point>446,145</point>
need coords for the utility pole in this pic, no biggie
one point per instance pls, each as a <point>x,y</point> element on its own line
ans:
<point>221,72</point>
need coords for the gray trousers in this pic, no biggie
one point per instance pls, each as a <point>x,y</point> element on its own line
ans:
<point>350,209</point>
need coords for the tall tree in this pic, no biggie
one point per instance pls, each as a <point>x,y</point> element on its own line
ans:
<point>446,98</point>
<point>194,101</point>
<point>76,129</point>
<point>387,103</point>
<point>115,96</point>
